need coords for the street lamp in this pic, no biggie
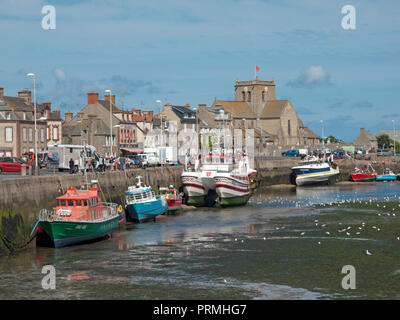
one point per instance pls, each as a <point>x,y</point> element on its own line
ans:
<point>161,128</point>
<point>322,129</point>
<point>394,140</point>
<point>33,76</point>
<point>111,142</point>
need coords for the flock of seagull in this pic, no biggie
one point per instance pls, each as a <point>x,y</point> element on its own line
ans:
<point>371,203</point>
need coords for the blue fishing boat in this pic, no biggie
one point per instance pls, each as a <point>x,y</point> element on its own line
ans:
<point>142,204</point>
<point>387,175</point>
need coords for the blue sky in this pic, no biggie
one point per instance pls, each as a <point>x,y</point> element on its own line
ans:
<point>185,51</point>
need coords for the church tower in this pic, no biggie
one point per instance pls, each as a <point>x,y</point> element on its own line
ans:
<point>255,92</point>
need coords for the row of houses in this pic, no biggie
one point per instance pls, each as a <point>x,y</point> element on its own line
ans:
<point>112,130</point>
<point>17,124</point>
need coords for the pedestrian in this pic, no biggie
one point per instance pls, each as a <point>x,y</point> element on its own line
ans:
<point>71,165</point>
<point>122,162</point>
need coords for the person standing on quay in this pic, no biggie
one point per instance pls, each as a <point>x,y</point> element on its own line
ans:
<point>122,162</point>
<point>71,165</point>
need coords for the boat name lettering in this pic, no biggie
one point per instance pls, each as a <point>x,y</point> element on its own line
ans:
<point>64,212</point>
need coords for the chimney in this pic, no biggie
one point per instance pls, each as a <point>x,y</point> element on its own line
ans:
<point>57,114</point>
<point>1,93</point>
<point>93,97</point>
<point>202,106</point>
<point>68,116</point>
<point>26,95</point>
<point>187,105</point>
<point>47,105</point>
<point>107,98</point>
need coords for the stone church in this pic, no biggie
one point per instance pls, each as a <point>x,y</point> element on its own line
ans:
<point>255,106</point>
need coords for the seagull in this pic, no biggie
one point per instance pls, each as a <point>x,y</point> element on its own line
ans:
<point>347,233</point>
<point>225,280</point>
<point>327,232</point>
<point>302,233</point>
<point>265,238</point>
<point>319,242</point>
<point>368,253</point>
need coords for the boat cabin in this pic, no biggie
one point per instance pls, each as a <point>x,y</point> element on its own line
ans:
<point>80,205</point>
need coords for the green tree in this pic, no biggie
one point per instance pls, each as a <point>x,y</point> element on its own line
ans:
<point>384,140</point>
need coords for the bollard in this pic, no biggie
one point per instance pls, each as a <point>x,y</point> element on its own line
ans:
<point>23,169</point>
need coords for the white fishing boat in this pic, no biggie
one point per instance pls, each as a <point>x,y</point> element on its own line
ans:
<point>235,187</point>
<point>313,170</point>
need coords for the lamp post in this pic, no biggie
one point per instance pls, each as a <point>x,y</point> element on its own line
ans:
<point>33,76</point>
<point>322,131</point>
<point>197,131</point>
<point>111,140</point>
<point>161,128</point>
<point>394,139</point>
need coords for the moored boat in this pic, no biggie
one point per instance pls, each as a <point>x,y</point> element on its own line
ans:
<point>235,187</point>
<point>360,175</point>
<point>314,171</point>
<point>80,216</point>
<point>388,175</point>
<point>173,198</point>
<point>142,204</point>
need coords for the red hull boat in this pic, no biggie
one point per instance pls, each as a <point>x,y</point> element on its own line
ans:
<point>358,176</point>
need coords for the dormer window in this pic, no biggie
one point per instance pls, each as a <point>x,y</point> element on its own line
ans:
<point>244,95</point>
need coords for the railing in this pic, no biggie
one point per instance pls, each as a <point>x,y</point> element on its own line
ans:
<point>104,212</point>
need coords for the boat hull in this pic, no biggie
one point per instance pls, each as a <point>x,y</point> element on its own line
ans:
<point>66,233</point>
<point>386,177</point>
<point>145,211</point>
<point>363,177</point>
<point>193,188</point>
<point>310,176</point>
<point>232,192</point>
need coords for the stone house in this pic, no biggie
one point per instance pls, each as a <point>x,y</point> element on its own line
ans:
<point>366,140</point>
<point>17,125</point>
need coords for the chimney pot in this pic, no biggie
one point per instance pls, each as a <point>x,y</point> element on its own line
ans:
<point>93,97</point>
<point>26,95</point>
<point>68,116</point>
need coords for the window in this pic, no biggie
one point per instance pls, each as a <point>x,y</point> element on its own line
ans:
<point>85,203</point>
<point>78,203</point>
<point>263,96</point>
<point>24,115</point>
<point>30,135</point>
<point>288,127</point>
<point>48,133</point>
<point>24,134</point>
<point>244,95</point>
<point>55,133</point>
<point>249,95</point>
<point>9,134</point>
<point>42,135</point>
<point>8,116</point>
<point>63,203</point>
<point>70,203</point>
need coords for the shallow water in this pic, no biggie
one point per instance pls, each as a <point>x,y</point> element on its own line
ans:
<point>276,247</point>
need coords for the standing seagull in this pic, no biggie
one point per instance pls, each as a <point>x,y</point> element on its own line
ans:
<point>368,253</point>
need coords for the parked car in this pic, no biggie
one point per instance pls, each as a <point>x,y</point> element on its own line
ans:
<point>291,153</point>
<point>384,153</point>
<point>11,164</point>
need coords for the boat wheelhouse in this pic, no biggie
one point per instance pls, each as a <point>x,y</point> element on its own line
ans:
<point>80,216</point>
<point>142,204</point>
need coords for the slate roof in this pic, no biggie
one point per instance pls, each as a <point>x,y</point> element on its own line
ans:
<point>274,109</point>
<point>238,109</point>
<point>184,114</point>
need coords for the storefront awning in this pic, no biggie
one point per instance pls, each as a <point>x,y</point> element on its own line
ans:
<point>133,150</point>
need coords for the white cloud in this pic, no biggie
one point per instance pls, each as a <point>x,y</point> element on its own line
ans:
<point>313,76</point>
<point>60,74</point>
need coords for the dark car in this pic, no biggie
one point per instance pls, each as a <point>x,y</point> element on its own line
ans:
<point>12,164</point>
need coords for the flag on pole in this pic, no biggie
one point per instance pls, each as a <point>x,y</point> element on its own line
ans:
<point>256,70</point>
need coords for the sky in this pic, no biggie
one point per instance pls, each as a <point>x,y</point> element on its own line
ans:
<point>185,51</point>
